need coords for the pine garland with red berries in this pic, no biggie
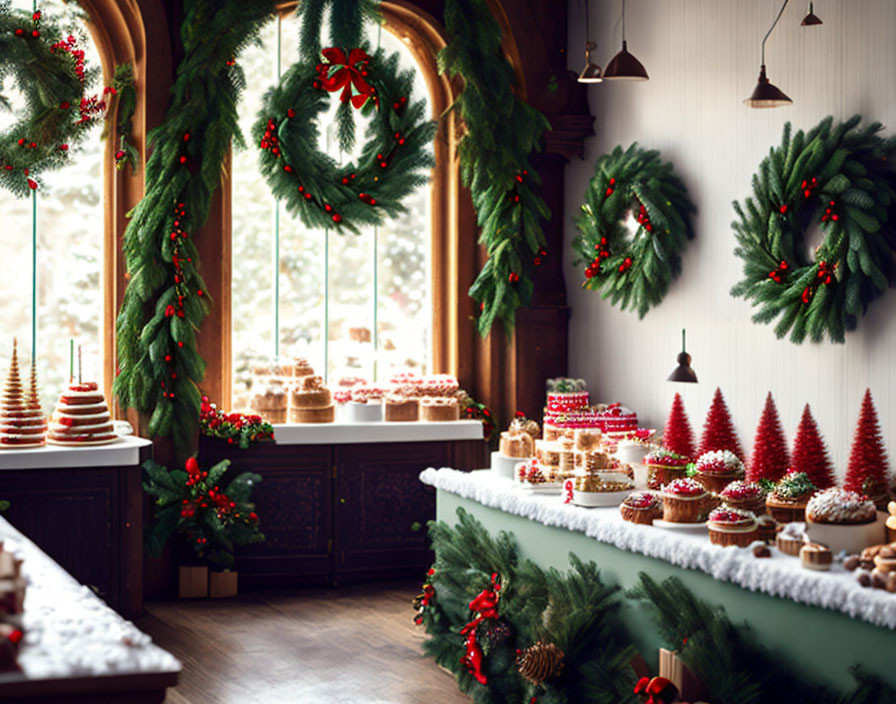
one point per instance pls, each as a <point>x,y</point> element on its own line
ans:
<point>718,430</point>
<point>166,299</point>
<point>810,455</point>
<point>501,132</point>
<point>237,429</point>
<point>48,69</point>
<point>190,503</point>
<point>840,177</point>
<point>868,470</point>
<point>770,459</point>
<point>634,271</point>
<point>677,434</point>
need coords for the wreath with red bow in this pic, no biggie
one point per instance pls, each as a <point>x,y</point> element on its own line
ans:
<point>394,160</point>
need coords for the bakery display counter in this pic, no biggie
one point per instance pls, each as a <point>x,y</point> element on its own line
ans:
<point>75,648</point>
<point>341,502</point>
<point>95,497</point>
<point>822,621</point>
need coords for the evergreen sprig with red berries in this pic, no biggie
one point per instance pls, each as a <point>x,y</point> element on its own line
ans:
<point>166,299</point>
<point>190,503</point>
<point>237,429</point>
<point>48,70</point>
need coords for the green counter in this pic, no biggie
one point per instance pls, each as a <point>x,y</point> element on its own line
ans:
<point>820,643</point>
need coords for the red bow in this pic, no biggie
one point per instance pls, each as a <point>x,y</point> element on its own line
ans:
<point>486,606</point>
<point>658,690</point>
<point>349,75</point>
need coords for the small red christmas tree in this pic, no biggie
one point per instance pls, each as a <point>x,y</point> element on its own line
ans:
<point>810,454</point>
<point>677,435</point>
<point>868,467</point>
<point>770,459</point>
<point>718,430</point>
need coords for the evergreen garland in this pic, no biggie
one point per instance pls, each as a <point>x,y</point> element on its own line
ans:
<point>122,108</point>
<point>166,301</point>
<point>501,131</point>
<point>727,658</point>
<point>48,70</point>
<point>838,176</point>
<point>572,611</point>
<point>633,271</point>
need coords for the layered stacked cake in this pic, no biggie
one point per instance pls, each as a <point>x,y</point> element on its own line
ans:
<point>81,417</point>
<point>22,421</point>
<point>309,400</point>
<point>600,480</point>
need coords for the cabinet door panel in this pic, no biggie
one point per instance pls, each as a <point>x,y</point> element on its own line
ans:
<point>382,507</point>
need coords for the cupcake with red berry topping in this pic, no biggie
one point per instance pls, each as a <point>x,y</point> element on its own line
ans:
<point>717,469</point>
<point>663,466</point>
<point>749,496</point>
<point>684,501</point>
<point>641,507</point>
<point>731,526</point>
<point>787,501</point>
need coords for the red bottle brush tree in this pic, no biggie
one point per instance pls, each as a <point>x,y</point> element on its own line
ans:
<point>868,471</point>
<point>677,435</point>
<point>770,458</point>
<point>718,430</point>
<point>810,454</point>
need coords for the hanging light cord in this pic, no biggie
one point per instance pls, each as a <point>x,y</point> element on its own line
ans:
<point>770,29</point>
<point>623,20</point>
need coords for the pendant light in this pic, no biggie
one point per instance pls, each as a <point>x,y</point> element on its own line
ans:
<point>767,94</point>
<point>624,66</point>
<point>811,20</point>
<point>591,72</point>
<point>683,371</point>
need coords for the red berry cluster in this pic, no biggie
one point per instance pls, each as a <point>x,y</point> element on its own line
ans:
<point>626,265</point>
<point>610,190</point>
<point>203,497</point>
<point>829,213</point>
<point>644,219</point>
<point>808,186</point>
<point>603,252</point>
<point>825,276</point>
<point>67,46</point>
<point>513,277</point>
<point>217,423</point>
<point>542,253</point>
<point>780,273</point>
<point>35,31</point>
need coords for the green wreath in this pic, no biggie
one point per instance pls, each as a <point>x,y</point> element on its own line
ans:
<point>633,271</point>
<point>48,70</point>
<point>393,161</point>
<point>836,176</point>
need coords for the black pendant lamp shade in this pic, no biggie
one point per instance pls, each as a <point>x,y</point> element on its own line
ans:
<point>767,94</point>
<point>624,66</point>
<point>683,372</point>
<point>811,19</point>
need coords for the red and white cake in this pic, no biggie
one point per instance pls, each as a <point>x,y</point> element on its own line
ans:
<point>81,417</point>
<point>22,421</point>
<point>616,418</point>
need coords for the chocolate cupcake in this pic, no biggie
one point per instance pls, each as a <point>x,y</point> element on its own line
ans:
<point>732,526</point>
<point>787,501</point>
<point>684,501</point>
<point>641,507</point>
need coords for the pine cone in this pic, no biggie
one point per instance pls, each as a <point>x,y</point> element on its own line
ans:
<point>540,662</point>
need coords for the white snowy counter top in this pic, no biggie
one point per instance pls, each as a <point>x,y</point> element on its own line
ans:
<point>125,452</point>
<point>73,642</point>
<point>781,575</point>
<point>348,433</point>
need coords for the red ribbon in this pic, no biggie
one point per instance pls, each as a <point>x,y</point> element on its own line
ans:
<point>349,75</point>
<point>485,605</point>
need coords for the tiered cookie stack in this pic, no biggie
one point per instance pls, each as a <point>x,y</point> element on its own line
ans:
<point>81,417</point>
<point>22,421</point>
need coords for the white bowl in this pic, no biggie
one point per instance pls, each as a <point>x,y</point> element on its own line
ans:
<point>594,499</point>
<point>362,412</point>
<point>505,466</point>
<point>631,452</point>
<point>853,538</point>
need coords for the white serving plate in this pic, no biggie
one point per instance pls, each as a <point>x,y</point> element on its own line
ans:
<point>548,488</point>
<point>595,499</point>
<point>683,527</point>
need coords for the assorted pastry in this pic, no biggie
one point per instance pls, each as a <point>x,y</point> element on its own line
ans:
<point>716,470</point>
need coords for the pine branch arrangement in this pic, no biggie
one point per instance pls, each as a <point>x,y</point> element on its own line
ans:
<point>501,132</point>
<point>121,109</point>
<point>166,299</point>
<point>571,613</point>
<point>719,432</point>
<point>810,455</point>
<point>770,459</point>
<point>868,471</point>
<point>677,434</point>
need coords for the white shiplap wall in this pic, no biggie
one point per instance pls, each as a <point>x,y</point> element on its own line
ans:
<point>703,60</point>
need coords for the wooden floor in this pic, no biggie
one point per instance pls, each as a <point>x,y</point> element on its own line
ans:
<point>349,645</point>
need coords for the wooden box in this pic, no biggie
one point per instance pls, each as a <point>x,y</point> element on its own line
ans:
<point>222,584</point>
<point>192,582</point>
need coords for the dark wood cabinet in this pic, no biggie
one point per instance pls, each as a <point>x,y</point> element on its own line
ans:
<point>342,512</point>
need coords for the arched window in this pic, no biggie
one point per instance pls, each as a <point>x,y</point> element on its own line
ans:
<point>355,305</point>
<point>66,221</point>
